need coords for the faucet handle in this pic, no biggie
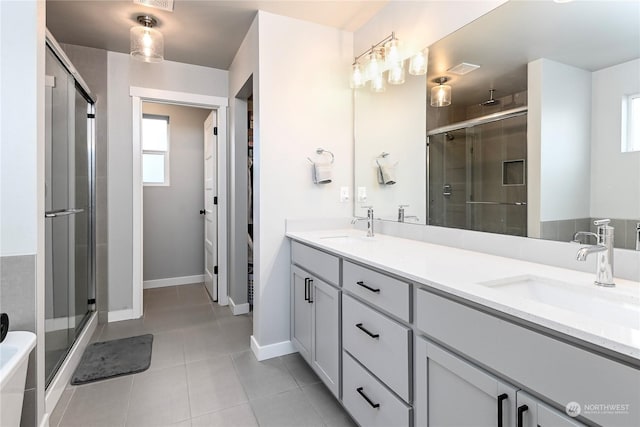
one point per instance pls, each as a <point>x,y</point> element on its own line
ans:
<point>367,207</point>
<point>403,206</point>
<point>600,222</point>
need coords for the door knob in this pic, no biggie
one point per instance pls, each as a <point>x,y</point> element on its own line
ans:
<point>203,212</point>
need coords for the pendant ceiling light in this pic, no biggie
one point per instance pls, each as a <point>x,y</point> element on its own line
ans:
<point>441,94</point>
<point>147,43</point>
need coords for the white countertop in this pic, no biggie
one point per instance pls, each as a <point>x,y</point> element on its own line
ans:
<point>459,272</point>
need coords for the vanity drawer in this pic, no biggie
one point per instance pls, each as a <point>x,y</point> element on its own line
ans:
<point>389,294</point>
<point>358,383</point>
<point>317,262</point>
<point>379,343</point>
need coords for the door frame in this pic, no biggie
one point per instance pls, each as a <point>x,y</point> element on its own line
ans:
<point>220,104</point>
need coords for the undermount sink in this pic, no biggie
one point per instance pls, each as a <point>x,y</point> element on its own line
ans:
<point>604,304</point>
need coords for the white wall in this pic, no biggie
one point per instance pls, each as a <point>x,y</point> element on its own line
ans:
<point>21,74</point>
<point>559,139</point>
<point>123,73</point>
<point>173,226</point>
<point>393,122</point>
<point>304,103</point>
<point>418,24</point>
<point>615,176</point>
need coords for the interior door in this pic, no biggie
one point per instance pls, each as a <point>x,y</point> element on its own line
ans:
<point>210,206</point>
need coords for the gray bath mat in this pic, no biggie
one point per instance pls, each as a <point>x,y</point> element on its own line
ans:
<point>102,360</point>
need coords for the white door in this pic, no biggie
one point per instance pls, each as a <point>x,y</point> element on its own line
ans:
<point>210,206</point>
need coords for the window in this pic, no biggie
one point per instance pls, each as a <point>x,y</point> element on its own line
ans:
<point>631,123</point>
<point>155,150</point>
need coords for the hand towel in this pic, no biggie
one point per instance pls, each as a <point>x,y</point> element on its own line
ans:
<point>322,173</point>
<point>386,173</point>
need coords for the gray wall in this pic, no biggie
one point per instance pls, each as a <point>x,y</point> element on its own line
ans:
<point>173,242</point>
<point>92,66</point>
<point>123,72</point>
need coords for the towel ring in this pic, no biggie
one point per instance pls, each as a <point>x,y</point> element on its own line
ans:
<point>321,151</point>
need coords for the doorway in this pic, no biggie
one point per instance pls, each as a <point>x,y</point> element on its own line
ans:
<point>179,240</point>
<point>218,104</point>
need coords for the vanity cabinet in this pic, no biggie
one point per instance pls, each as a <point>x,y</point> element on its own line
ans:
<point>451,391</point>
<point>315,315</point>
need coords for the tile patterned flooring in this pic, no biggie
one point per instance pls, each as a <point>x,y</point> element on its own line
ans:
<point>202,373</point>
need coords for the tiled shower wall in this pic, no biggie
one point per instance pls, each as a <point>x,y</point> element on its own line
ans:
<point>625,232</point>
<point>18,300</point>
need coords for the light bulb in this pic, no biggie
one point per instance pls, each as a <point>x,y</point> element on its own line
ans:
<point>357,77</point>
<point>147,41</point>
<point>392,52</point>
<point>441,94</point>
<point>373,66</point>
<point>418,64</point>
<point>396,73</point>
<point>378,83</point>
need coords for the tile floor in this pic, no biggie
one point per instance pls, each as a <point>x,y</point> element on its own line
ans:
<point>202,373</point>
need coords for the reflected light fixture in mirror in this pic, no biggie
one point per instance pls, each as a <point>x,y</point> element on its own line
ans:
<point>378,84</point>
<point>418,63</point>
<point>441,94</point>
<point>357,77</point>
<point>147,44</point>
<point>396,73</point>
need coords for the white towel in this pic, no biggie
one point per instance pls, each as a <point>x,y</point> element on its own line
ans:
<point>386,173</point>
<point>322,173</point>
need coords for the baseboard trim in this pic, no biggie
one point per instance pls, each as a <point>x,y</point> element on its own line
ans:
<point>118,315</point>
<point>263,352</point>
<point>62,378</point>
<point>238,309</point>
<point>173,281</point>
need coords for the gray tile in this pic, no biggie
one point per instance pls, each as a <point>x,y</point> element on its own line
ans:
<point>168,350</point>
<point>203,342</point>
<point>286,409</point>
<point>238,416</point>
<point>122,329</point>
<point>262,378</point>
<point>324,402</point>
<point>197,315</point>
<point>566,230</point>
<point>101,403</point>
<point>549,230</point>
<point>342,421</point>
<point>632,233</point>
<point>17,287</point>
<point>300,369</point>
<point>194,294</point>
<point>61,407</point>
<point>236,333</point>
<point>159,398</point>
<point>619,232</point>
<point>29,409</point>
<point>213,385</point>
<point>163,320</point>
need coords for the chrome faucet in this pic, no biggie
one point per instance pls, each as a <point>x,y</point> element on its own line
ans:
<point>604,250</point>
<point>369,219</point>
<point>402,216</point>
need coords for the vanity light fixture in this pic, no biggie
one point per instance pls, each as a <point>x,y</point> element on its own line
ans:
<point>386,56</point>
<point>147,43</point>
<point>441,94</point>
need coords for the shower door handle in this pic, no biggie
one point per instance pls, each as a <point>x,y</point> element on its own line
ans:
<point>62,212</point>
<point>447,190</point>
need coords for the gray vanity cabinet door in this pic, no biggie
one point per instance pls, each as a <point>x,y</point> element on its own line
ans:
<point>325,347</point>
<point>537,414</point>
<point>452,392</point>
<point>301,311</point>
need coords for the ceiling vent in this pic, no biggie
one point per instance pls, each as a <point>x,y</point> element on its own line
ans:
<point>463,68</point>
<point>158,4</point>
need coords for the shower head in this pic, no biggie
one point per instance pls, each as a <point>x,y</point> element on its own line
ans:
<point>449,136</point>
<point>490,101</point>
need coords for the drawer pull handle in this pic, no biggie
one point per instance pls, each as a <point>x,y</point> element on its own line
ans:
<point>310,291</point>
<point>365,397</point>
<point>361,283</point>
<point>306,289</point>
<point>521,410</point>
<point>502,397</point>
<point>363,329</point>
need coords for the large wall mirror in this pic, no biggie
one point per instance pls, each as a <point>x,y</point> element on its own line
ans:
<point>538,138</point>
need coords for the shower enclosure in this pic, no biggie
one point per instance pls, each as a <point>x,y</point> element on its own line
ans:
<point>477,174</point>
<point>69,212</point>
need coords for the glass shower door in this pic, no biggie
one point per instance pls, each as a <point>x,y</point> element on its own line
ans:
<point>68,236</point>
<point>477,177</point>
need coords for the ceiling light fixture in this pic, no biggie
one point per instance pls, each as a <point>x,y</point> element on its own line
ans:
<point>386,56</point>
<point>441,94</point>
<point>147,43</point>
